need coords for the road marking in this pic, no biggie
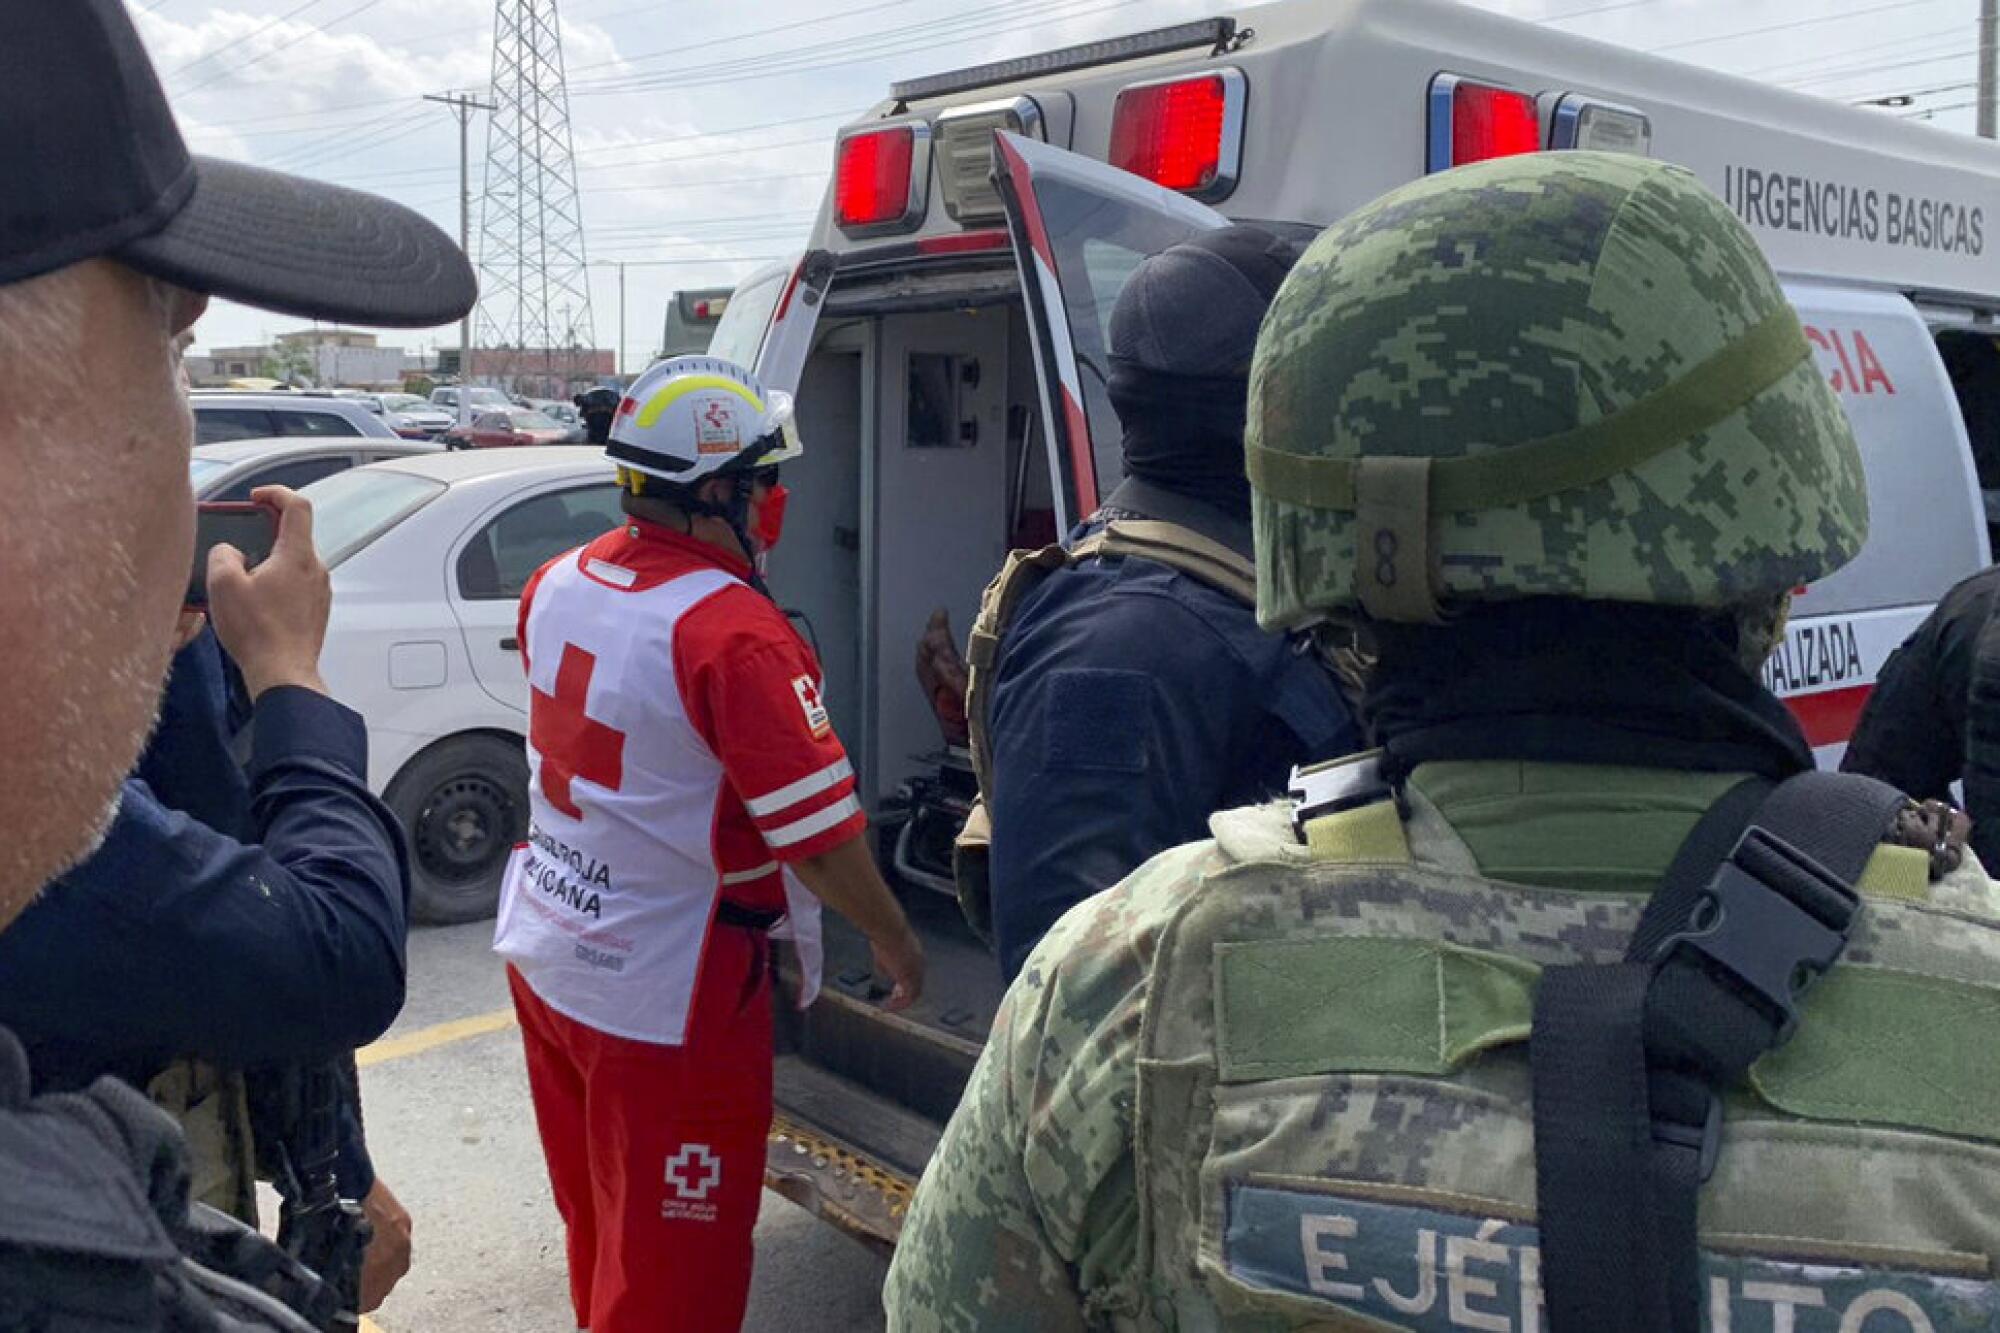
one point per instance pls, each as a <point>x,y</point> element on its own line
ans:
<point>430,1038</point>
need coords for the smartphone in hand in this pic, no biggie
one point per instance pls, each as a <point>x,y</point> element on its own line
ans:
<point>251,528</point>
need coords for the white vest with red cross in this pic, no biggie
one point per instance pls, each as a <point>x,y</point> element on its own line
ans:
<point>606,908</point>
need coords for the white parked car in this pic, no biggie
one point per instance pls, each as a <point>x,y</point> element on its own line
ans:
<point>234,468</point>
<point>429,556</point>
<point>416,418</point>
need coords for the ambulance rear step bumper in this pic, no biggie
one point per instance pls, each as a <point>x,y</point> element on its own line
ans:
<point>843,1154</point>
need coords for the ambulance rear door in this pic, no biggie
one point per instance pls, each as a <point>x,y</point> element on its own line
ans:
<point>1080,227</point>
<point>1926,527</point>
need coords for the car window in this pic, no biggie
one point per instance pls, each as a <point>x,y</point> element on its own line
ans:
<point>353,508</point>
<point>297,473</point>
<point>526,420</point>
<point>215,424</point>
<point>293,422</point>
<point>498,562</point>
<point>492,421</point>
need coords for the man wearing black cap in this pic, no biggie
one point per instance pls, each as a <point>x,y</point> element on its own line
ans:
<point>1132,698</point>
<point>112,239</point>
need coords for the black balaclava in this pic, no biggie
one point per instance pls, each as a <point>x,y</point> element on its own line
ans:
<point>1181,337</point>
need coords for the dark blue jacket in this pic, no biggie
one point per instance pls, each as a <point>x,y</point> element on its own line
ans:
<point>282,944</point>
<point>1130,702</point>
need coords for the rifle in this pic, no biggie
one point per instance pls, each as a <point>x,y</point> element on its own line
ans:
<point>317,1228</point>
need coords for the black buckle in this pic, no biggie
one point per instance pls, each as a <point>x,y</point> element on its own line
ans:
<point>1773,918</point>
<point>1705,1139</point>
<point>1329,789</point>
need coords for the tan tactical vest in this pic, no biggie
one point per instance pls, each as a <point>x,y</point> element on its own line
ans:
<point>1169,544</point>
<point>1333,1127</point>
<point>214,1113</point>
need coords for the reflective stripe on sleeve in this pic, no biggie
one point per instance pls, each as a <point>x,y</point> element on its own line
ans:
<point>763,807</point>
<point>746,876</point>
<point>845,808</point>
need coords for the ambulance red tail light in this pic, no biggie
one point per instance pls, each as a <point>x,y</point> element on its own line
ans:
<point>1183,133</point>
<point>881,178</point>
<point>1472,122</point>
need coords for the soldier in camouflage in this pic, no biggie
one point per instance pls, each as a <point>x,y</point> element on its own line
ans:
<point>1546,434</point>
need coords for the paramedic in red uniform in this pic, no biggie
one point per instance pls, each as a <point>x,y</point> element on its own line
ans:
<point>688,794</point>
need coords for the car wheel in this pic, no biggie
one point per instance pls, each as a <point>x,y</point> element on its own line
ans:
<point>464,805</point>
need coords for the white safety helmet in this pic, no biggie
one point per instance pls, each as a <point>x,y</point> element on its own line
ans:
<point>693,417</point>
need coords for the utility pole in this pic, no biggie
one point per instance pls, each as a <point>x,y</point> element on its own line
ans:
<point>1989,94</point>
<point>463,104</point>
<point>621,319</point>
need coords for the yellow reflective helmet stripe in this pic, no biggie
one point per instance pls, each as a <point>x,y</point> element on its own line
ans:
<point>679,388</point>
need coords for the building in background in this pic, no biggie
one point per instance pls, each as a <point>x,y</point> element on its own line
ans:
<point>533,372</point>
<point>317,358</point>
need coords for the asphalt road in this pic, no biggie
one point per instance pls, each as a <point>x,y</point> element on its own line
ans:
<point>446,1101</point>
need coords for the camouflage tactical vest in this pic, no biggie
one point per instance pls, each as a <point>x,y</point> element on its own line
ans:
<point>1169,544</point>
<point>1334,1131</point>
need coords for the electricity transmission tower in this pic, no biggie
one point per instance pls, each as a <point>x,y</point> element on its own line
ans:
<point>534,283</point>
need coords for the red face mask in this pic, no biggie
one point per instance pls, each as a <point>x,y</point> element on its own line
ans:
<point>771,518</point>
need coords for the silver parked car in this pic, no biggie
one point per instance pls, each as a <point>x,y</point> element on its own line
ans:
<point>225,414</point>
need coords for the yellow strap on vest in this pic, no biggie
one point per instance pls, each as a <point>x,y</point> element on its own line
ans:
<point>1365,835</point>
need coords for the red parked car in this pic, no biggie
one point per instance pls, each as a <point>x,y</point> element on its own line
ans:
<point>505,427</point>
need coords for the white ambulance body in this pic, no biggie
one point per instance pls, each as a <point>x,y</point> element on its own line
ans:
<point>945,335</point>
<point>1296,114</point>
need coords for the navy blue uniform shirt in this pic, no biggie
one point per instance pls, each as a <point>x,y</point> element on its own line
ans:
<point>1130,702</point>
<point>284,944</point>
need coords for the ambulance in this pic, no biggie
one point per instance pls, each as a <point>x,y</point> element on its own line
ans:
<point>945,336</point>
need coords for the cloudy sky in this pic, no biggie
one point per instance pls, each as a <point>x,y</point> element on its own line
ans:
<point>703,131</point>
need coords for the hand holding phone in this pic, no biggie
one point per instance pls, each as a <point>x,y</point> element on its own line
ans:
<point>272,619</point>
<point>250,527</point>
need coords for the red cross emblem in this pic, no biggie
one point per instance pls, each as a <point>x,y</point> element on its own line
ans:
<point>571,743</point>
<point>694,1171</point>
<point>717,414</point>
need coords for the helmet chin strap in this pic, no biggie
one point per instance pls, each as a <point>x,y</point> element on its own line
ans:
<point>736,513</point>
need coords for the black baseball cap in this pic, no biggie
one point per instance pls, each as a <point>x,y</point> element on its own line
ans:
<point>94,165</point>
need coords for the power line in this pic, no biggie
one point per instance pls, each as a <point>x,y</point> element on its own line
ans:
<point>1594,9</point>
<point>416,124</point>
<point>679,263</point>
<point>285,45</point>
<point>843,114</point>
<point>1795,23</point>
<point>1875,67</point>
<point>301,152</point>
<point>815,21</point>
<point>734,150</point>
<point>868,47</point>
<point>1884,99</point>
<point>229,46</point>
<point>740,180</point>
<point>1799,68</point>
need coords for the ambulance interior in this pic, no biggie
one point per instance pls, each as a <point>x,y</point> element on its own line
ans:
<point>924,465</point>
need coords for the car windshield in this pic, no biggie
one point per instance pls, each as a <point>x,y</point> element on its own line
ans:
<point>353,508</point>
<point>493,396</point>
<point>402,402</point>
<point>535,421</point>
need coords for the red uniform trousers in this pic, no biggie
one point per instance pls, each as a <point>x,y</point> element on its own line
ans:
<point>656,1153</point>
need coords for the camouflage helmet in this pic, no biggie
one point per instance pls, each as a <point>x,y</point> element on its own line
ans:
<point>1560,374</point>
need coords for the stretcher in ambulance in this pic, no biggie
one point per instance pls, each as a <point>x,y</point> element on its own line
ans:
<point>945,334</point>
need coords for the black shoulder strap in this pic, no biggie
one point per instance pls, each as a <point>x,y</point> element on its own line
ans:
<point>1628,1059</point>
